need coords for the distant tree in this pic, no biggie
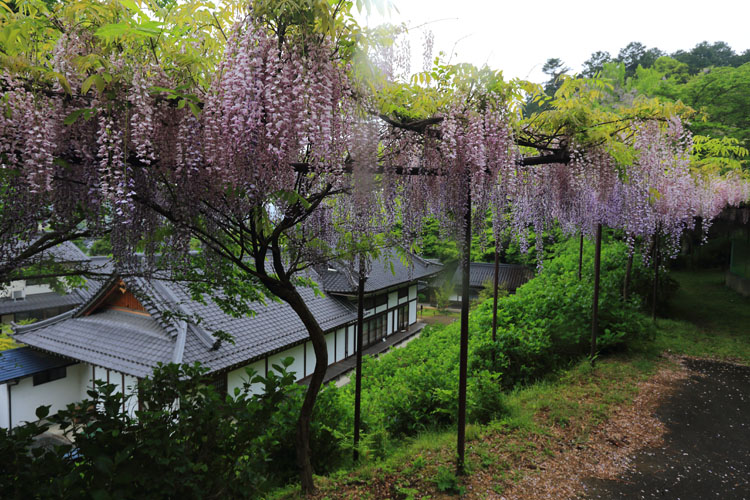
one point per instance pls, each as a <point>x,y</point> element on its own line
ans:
<point>636,54</point>
<point>443,294</point>
<point>101,246</point>
<point>723,95</point>
<point>554,68</point>
<point>705,55</point>
<point>742,58</point>
<point>672,69</point>
<point>595,63</point>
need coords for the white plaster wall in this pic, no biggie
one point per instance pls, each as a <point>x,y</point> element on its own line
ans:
<point>310,359</point>
<point>412,292</point>
<point>7,290</point>
<point>115,378</point>
<point>34,289</point>
<point>131,388</point>
<point>89,373</point>
<point>298,367</point>
<point>100,373</point>
<point>352,338</point>
<point>237,378</point>
<point>329,344</point>
<point>381,308</point>
<point>340,344</point>
<point>4,406</point>
<point>87,382</point>
<point>392,299</point>
<point>25,397</point>
<point>412,312</point>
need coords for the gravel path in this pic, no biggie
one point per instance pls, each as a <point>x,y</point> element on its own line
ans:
<point>706,451</point>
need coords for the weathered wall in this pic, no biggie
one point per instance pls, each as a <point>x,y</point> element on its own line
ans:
<point>738,283</point>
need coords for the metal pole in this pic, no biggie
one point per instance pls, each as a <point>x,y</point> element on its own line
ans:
<point>580,256</point>
<point>494,297</point>
<point>358,347</point>
<point>464,343</point>
<point>597,272</point>
<point>656,276</point>
<point>628,271</point>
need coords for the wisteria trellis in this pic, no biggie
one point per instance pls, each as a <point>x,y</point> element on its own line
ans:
<point>266,169</point>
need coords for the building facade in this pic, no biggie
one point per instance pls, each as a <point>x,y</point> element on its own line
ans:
<point>128,326</point>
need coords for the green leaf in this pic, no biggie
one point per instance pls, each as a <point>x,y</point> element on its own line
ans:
<point>195,109</point>
<point>73,117</point>
<point>63,82</point>
<point>131,5</point>
<point>94,79</point>
<point>111,31</point>
<point>42,412</point>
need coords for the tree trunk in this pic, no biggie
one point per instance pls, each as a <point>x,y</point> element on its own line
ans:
<point>358,375</point>
<point>597,271</point>
<point>628,271</point>
<point>494,296</point>
<point>580,256</point>
<point>289,294</point>
<point>464,342</point>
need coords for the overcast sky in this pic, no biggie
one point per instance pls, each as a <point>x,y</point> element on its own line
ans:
<point>519,36</point>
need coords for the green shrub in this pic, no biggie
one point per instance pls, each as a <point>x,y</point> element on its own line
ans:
<point>486,400</point>
<point>545,325</point>
<point>446,481</point>
<point>547,322</point>
<point>207,446</point>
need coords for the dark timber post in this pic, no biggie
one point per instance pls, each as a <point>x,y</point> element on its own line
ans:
<point>597,271</point>
<point>464,350</point>
<point>580,256</point>
<point>656,275</point>
<point>494,297</point>
<point>628,271</point>
<point>358,347</point>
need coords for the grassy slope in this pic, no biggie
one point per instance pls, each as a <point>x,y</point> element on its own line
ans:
<point>706,319</point>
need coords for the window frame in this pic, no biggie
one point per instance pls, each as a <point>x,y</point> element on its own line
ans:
<point>50,375</point>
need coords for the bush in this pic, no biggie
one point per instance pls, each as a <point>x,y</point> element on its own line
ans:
<point>208,445</point>
<point>545,325</point>
<point>547,322</point>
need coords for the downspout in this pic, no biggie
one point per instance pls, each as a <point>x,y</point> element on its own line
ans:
<point>10,384</point>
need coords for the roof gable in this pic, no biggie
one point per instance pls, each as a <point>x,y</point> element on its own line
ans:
<point>172,327</point>
<point>117,296</point>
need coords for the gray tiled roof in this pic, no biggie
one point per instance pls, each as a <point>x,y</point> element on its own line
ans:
<point>386,272</point>
<point>40,301</point>
<point>510,276</point>
<point>77,296</point>
<point>66,251</point>
<point>121,341</point>
<point>23,361</point>
<point>134,344</point>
